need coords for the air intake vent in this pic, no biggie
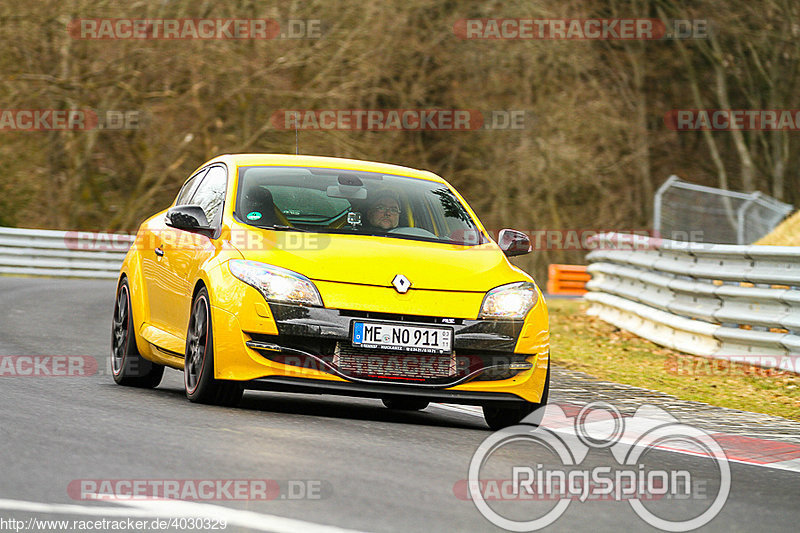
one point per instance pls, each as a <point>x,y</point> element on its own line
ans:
<point>402,366</point>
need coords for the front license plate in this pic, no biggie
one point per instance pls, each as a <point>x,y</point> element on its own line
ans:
<point>402,338</point>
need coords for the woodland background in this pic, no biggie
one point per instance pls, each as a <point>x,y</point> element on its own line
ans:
<point>594,149</point>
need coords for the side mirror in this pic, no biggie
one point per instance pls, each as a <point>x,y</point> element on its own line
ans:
<point>513,242</point>
<point>188,218</point>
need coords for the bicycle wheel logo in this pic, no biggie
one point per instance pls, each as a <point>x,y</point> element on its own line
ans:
<point>568,476</point>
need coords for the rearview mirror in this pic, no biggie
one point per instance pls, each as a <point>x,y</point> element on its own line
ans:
<point>513,242</point>
<point>350,187</point>
<point>188,218</point>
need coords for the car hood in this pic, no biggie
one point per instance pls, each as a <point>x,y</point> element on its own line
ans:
<point>368,260</point>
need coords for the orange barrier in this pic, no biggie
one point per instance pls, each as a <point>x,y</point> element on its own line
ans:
<point>567,280</point>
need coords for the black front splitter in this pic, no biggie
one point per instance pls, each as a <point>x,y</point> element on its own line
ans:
<point>364,390</point>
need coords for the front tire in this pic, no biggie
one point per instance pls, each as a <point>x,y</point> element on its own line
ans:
<point>198,366</point>
<point>501,417</point>
<point>128,366</point>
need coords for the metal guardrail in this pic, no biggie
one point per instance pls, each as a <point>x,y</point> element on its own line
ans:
<point>62,253</point>
<point>714,300</point>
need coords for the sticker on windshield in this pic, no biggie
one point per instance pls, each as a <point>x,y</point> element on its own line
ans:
<point>253,215</point>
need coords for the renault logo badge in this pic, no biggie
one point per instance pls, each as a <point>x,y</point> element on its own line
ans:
<point>401,283</point>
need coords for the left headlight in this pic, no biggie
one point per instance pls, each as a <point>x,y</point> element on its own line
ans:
<point>276,283</point>
<point>509,301</point>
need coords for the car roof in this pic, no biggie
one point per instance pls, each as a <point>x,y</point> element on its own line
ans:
<point>290,160</point>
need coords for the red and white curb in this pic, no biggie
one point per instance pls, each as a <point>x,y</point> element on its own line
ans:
<point>775,454</point>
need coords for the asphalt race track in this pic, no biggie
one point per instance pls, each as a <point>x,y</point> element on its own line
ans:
<point>367,468</point>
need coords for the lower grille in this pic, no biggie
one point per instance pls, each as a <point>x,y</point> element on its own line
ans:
<point>383,365</point>
<point>402,366</point>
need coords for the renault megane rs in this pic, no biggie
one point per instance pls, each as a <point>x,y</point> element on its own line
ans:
<point>332,276</point>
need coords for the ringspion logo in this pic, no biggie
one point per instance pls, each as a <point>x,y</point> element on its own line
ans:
<point>565,476</point>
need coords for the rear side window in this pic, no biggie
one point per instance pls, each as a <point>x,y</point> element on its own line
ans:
<point>211,193</point>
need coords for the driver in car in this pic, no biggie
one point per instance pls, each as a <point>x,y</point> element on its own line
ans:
<point>384,211</point>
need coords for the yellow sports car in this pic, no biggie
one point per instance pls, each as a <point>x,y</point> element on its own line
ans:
<point>331,276</point>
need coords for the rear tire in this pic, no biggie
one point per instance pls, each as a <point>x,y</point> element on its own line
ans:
<point>128,367</point>
<point>501,417</point>
<point>198,366</point>
<point>405,404</point>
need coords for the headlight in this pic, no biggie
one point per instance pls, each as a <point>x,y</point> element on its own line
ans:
<point>275,283</point>
<point>509,301</point>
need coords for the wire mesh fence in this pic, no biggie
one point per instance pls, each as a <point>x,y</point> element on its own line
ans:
<point>688,212</point>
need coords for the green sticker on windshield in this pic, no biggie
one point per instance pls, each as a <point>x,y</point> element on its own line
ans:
<point>253,215</point>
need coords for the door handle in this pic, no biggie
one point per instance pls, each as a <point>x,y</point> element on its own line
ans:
<point>159,252</point>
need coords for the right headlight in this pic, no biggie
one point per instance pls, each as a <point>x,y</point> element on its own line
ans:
<point>275,283</point>
<point>512,301</point>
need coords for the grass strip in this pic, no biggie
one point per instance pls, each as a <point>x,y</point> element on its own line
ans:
<point>585,343</point>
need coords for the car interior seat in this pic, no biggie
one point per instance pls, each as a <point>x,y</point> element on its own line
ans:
<point>259,199</point>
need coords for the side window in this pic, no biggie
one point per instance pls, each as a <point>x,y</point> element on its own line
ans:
<point>188,187</point>
<point>211,192</point>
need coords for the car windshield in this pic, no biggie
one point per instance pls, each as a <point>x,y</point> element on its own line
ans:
<point>344,201</point>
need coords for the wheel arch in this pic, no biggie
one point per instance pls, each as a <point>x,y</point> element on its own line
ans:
<point>200,284</point>
<point>137,312</point>
<point>132,270</point>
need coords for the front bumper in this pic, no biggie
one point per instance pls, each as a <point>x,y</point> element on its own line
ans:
<point>289,347</point>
